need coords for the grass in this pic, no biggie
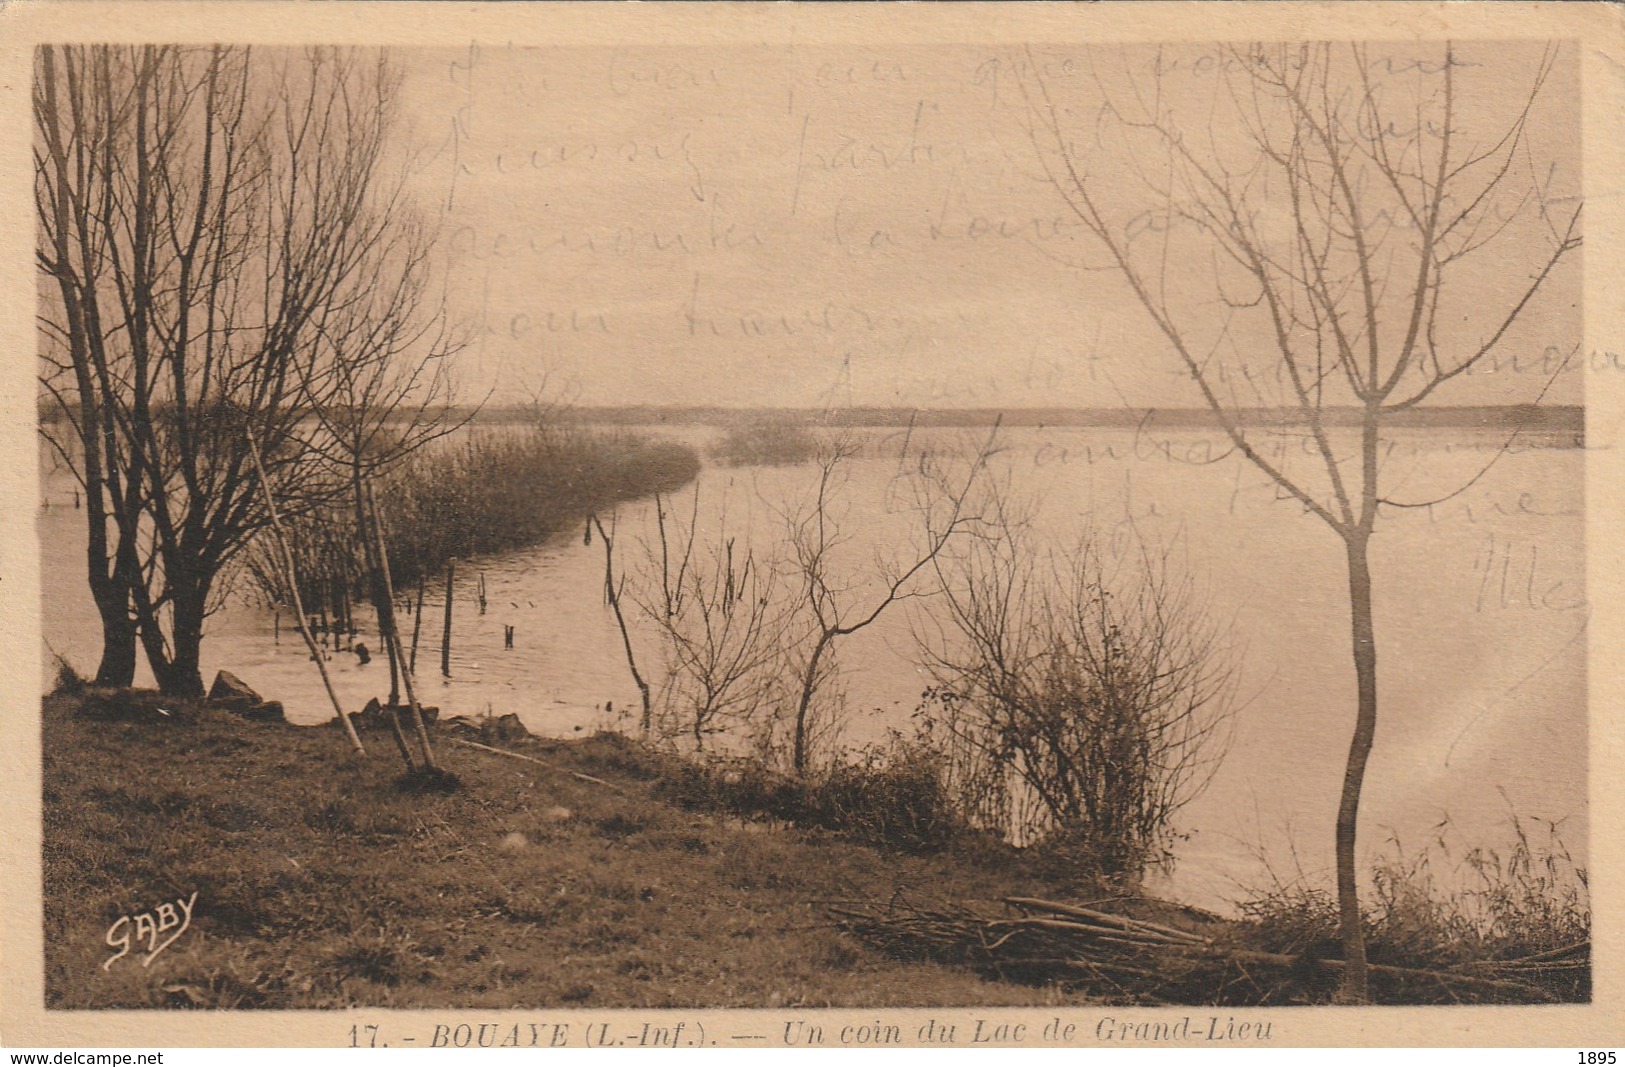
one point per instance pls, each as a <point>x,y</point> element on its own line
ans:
<point>322,882</point>
<point>892,797</point>
<point>326,880</point>
<point>1448,906</point>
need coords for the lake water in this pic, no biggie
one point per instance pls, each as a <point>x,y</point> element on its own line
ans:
<point>1480,605</point>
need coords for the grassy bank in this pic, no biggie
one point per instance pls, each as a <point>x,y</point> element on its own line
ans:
<point>321,883</point>
<point>605,876</point>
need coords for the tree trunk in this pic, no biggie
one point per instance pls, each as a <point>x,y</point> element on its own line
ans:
<point>1351,932</point>
<point>112,591</point>
<point>808,681</point>
<point>181,674</point>
<point>612,596</point>
<point>117,667</point>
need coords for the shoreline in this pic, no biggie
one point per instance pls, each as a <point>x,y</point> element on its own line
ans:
<point>580,874</point>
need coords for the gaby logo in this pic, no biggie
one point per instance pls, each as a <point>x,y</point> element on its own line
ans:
<point>150,926</point>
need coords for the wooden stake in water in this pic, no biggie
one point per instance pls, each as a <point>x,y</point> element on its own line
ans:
<point>417,628</point>
<point>346,611</point>
<point>445,634</point>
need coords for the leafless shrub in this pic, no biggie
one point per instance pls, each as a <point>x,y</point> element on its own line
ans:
<point>718,612</point>
<point>1081,703</point>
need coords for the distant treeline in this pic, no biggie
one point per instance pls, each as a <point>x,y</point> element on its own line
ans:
<point>1532,418</point>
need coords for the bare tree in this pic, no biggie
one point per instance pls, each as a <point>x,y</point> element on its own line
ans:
<point>379,388</point>
<point>614,596</point>
<point>221,255</point>
<point>1349,218</point>
<point>835,600</point>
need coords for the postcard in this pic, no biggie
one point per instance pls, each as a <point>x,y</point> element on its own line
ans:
<point>812,525</point>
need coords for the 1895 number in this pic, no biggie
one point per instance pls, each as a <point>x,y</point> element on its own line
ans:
<point>1596,1058</point>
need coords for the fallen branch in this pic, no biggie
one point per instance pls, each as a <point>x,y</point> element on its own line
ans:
<point>1575,955</point>
<point>1078,945</point>
<point>1522,989</point>
<point>532,759</point>
<point>1110,933</point>
<point>1120,921</point>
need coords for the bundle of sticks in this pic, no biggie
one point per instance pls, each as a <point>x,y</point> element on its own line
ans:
<point>1119,958</point>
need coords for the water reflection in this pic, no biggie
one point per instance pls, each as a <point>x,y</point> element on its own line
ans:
<point>1480,614</point>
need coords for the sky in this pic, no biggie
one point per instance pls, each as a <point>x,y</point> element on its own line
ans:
<point>811,226</point>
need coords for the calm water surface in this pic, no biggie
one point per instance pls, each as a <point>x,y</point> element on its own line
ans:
<point>1480,614</point>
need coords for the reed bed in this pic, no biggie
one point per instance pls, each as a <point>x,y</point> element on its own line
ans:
<point>502,489</point>
<point>766,444</point>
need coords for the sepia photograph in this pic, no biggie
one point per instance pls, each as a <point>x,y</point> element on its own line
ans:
<point>829,529</point>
